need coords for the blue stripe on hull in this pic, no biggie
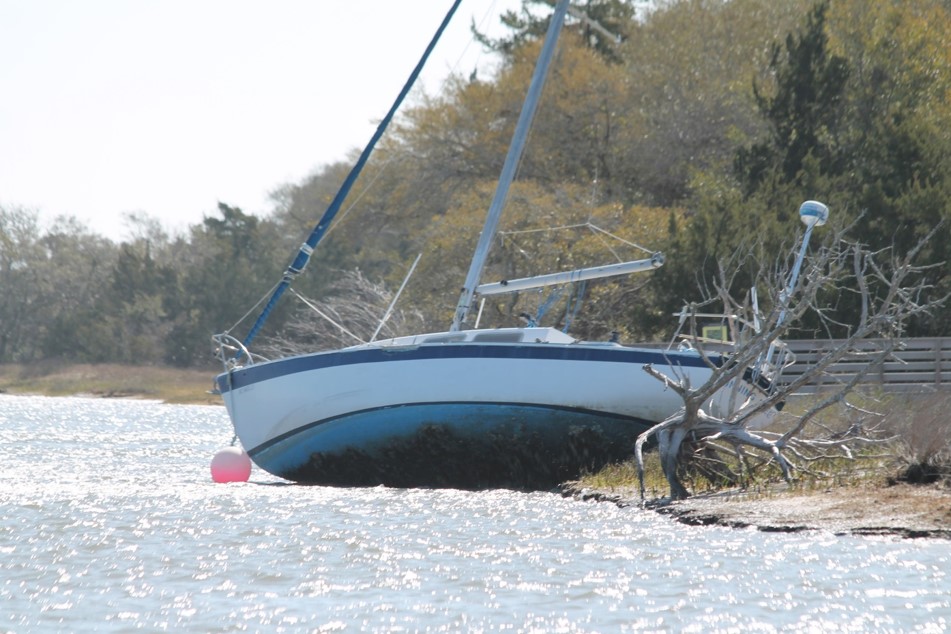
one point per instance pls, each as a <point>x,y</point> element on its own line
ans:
<point>291,365</point>
<point>452,445</point>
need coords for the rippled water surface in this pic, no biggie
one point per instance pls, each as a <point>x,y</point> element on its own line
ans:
<point>109,521</point>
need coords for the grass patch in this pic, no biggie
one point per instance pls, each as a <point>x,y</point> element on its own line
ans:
<point>170,385</point>
<point>865,470</point>
<point>622,477</point>
<point>918,451</point>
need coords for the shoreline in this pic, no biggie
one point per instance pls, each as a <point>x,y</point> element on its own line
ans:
<point>901,510</point>
<point>183,386</point>
<point>869,508</point>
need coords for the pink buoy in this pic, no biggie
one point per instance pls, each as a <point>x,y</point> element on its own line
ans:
<point>231,465</point>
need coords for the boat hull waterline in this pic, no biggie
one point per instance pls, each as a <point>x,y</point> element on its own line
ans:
<point>464,415</point>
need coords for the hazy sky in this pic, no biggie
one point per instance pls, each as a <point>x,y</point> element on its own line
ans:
<point>168,106</point>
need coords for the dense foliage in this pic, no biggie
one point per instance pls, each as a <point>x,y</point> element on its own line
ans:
<point>705,126</point>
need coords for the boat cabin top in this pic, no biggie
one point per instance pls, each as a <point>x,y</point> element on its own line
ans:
<point>498,335</point>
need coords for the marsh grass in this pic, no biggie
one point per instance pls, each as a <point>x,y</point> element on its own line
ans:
<point>170,385</point>
<point>866,469</point>
<point>622,477</point>
<point>902,440</point>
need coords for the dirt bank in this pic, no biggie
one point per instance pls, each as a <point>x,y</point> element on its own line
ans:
<point>901,510</point>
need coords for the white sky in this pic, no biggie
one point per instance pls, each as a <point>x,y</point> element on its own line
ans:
<point>168,106</point>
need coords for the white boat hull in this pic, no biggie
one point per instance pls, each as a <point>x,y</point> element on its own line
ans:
<point>462,415</point>
<point>517,408</point>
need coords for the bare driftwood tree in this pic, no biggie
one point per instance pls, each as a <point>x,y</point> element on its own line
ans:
<point>890,290</point>
<point>353,311</point>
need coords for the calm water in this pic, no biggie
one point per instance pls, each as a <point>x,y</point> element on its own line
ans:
<point>109,521</point>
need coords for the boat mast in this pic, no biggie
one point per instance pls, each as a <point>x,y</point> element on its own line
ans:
<point>508,168</point>
<point>296,267</point>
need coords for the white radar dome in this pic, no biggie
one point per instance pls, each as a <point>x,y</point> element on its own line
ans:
<point>813,213</point>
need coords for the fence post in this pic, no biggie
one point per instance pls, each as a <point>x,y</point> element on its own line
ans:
<point>938,344</point>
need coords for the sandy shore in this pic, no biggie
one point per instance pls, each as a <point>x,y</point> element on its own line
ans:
<point>901,510</point>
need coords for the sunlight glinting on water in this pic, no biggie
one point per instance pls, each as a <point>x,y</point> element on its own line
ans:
<point>109,520</point>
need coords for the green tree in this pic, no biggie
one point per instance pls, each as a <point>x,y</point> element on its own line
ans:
<point>804,108</point>
<point>601,24</point>
<point>77,270</point>
<point>687,102</point>
<point>851,118</point>
<point>47,279</point>
<point>140,291</point>
<point>228,268</point>
<point>20,288</point>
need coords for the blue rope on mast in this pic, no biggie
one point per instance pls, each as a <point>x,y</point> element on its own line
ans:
<point>571,313</point>
<point>306,249</point>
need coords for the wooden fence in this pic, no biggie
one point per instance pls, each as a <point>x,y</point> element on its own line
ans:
<point>919,365</point>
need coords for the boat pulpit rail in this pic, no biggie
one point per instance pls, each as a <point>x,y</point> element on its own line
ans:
<point>231,351</point>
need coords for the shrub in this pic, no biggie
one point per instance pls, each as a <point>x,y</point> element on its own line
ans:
<point>923,446</point>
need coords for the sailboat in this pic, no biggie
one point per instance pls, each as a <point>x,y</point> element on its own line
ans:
<point>520,408</point>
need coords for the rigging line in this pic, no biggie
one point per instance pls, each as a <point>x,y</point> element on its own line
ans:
<point>490,10</point>
<point>562,227</point>
<point>389,310</point>
<point>359,195</point>
<point>440,221</point>
<point>253,308</point>
<point>518,249</point>
<point>444,217</point>
<point>619,239</point>
<point>595,229</point>
<point>303,255</point>
<point>604,242</point>
<point>324,315</point>
<point>383,168</point>
<point>507,235</point>
<point>587,225</point>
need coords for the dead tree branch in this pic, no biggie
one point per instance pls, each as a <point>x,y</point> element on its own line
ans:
<point>890,290</point>
<point>349,315</point>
